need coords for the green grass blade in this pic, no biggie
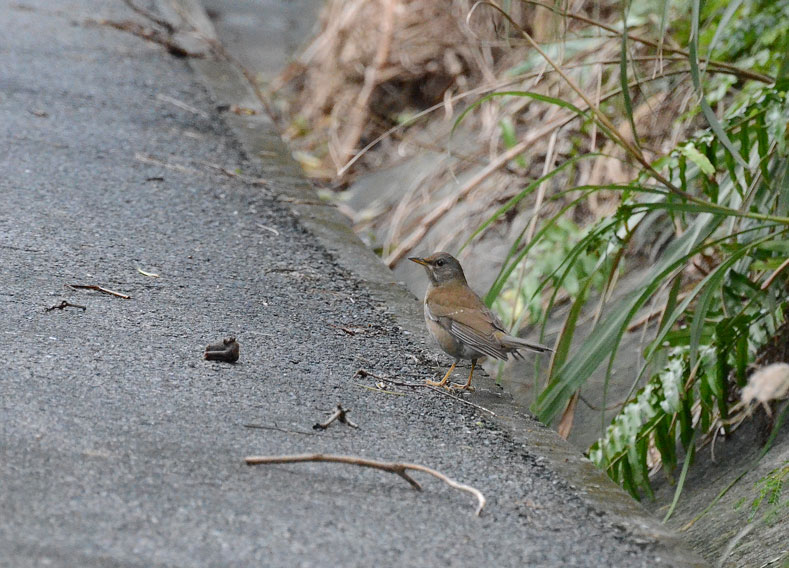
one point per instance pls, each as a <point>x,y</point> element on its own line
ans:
<point>536,96</point>
<point>514,257</point>
<point>605,338</point>
<point>710,286</point>
<point>733,6</point>
<point>681,483</point>
<point>515,199</point>
<point>671,301</point>
<point>623,82</point>
<point>693,59</point>
<point>663,25</point>
<point>565,339</point>
<point>666,443</point>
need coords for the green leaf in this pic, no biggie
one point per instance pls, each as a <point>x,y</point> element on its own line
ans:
<point>605,338</point>
<point>732,7</point>
<point>691,452</point>
<point>623,82</point>
<point>776,245</point>
<point>782,81</point>
<point>685,421</point>
<point>517,198</point>
<point>693,58</point>
<point>507,132</point>
<point>565,339</point>
<point>627,479</point>
<point>529,94</point>
<point>720,384</point>
<point>741,360</point>
<point>728,159</point>
<point>509,138</point>
<point>709,287</point>
<point>763,145</point>
<point>690,151</point>
<point>638,469</point>
<point>643,449</point>
<point>665,442</point>
<point>671,301</point>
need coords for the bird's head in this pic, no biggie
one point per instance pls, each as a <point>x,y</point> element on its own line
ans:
<point>442,268</point>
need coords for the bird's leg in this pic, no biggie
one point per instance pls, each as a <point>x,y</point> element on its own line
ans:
<point>467,386</point>
<point>444,380</point>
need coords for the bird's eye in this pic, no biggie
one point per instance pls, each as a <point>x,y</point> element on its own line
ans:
<point>440,262</point>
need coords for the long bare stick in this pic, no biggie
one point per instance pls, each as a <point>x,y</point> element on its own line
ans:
<point>400,469</point>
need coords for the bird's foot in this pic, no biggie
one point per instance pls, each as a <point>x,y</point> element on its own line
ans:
<point>457,386</point>
<point>443,382</point>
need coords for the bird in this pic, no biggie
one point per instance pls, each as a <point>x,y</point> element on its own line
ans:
<point>463,326</point>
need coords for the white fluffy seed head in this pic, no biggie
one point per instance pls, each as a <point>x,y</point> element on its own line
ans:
<point>767,384</point>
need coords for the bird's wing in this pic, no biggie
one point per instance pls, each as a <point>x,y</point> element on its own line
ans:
<point>461,312</point>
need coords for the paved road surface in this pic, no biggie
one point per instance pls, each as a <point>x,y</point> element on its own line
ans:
<point>120,446</point>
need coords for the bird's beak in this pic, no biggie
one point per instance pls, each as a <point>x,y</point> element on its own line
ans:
<point>418,260</point>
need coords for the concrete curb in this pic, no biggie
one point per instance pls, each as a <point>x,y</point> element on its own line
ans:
<point>260,139</point>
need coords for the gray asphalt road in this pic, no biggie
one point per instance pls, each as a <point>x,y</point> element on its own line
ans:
<point>119,445</point>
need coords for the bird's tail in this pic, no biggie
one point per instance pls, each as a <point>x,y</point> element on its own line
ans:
<point>518,343</point>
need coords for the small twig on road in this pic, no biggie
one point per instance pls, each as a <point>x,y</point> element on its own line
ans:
<point>340,414</point>
<point>345,329</point>
<point>269,229</point>
<point>236,109</point>
<point>99,289</point>
<point>63,305</point>
<point>364,373</point>
<point>400,469</point>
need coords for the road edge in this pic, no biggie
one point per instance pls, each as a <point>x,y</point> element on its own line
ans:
<point>259,138</point>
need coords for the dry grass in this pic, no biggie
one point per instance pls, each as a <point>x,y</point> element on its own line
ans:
<point>374,61</point>
<point>375,64</point>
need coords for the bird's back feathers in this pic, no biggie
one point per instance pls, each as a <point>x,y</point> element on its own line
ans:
<point>457,309</point>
